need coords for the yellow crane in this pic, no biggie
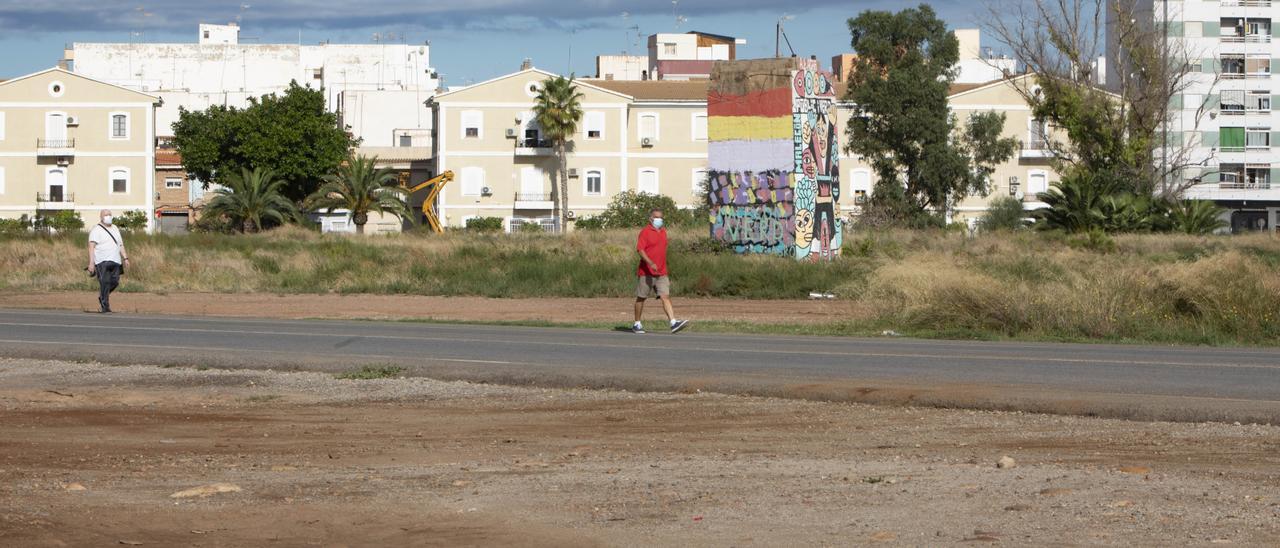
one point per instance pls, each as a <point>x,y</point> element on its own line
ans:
<point>436,184</point>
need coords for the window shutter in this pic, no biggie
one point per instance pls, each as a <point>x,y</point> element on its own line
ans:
<point>1231,137</point>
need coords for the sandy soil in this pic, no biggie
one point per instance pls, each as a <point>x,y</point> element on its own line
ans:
<point>93,454</point>
<point>437,308</point>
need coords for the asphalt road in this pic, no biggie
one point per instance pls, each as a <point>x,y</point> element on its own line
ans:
<point>1143,382</point>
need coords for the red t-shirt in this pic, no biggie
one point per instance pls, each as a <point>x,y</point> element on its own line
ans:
<point>653,242</point>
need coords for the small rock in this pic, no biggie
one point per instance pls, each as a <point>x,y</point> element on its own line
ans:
<point>74,487</point>
<point>206,490</point>
<point>1006,462</point>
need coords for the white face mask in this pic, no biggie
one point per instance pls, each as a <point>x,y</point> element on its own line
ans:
<point>106,220</point>
<point>657,223</point>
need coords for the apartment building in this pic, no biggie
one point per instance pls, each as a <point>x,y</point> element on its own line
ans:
<point>1232,53</point>
<point>672,56</point>
<point>649,136</point>
<point>73,143</point>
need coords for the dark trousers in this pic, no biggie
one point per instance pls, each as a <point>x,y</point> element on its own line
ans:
<point>108,280</point>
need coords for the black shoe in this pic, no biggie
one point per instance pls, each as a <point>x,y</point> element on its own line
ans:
<point>679,326</point>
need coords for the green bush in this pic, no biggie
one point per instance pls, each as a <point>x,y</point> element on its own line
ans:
<point>131,220</point>
<point>590,223</point>
<point>1196,217</point>
<point>60,221</point>
<point>215,224</point>
<point>1004,213</point>
<point>15,227</point>
<point>484,224</point>
<point>631,209</point>
<point>528,228</point>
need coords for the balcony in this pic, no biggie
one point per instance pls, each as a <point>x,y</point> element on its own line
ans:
<point>55,147</point>
<point>1036,148</point>
<point>533,200</point>
<point>534,147</point>
<point>56,199</point>
<point>1245,3</point>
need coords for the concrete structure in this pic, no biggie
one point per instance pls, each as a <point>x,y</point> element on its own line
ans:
<point>842,66</point>
<point>976,65</point>
<point>622,67</point>
<point>174,210</point>
<point>647,136</point>
<point>774,158</point>
<point>68,142</point>
<point>1234,49</point>
<point>672,56</point>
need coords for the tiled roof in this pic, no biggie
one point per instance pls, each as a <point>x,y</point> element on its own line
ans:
<point>168,158</point>
<point>843,87</point>
<point>657,90</point>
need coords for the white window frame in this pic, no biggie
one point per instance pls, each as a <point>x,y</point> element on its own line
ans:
<point>479,123</point>
<point>657,126</point>
<point>168,180</point>
<point>694,124</point>
<point>588,126</point>
<point>657,177</point>
<point>111,123</point>
<point>111,183</point>
<point>586,178</point>
<point>468,174</point>
<point>1265,132</point>
<point>1028,191</point>
<point>699,174</point>
<point>66,180</point>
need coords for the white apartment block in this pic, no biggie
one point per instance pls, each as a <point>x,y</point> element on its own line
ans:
<point>1233,56</point>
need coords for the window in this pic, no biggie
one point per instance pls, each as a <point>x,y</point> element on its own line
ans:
<point>594,183</point>
<point>472,122</point>
<point>1231,138</point>
<point>119,180</point>
<point>472,181</point>
<point>648,127</point>
<point>1257,138</point>
<point>1258,65</point>
<point>668,48</point>
<point>1258,100</point>
<point>648,181</point>
<point>593,124</point>
<point>700,126</point>
<point>173,182</point>
<point>119,125</point>
<point>1233,67</point>
<point>1232,102</point>
<point>406,140</point>
<point>699,180</point>
<point>206,35</point>
<point>1037,182</point>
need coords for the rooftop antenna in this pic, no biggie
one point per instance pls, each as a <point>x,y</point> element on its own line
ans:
<point>240,16</point>
<point>626,18</point>
<point>779,35</point>
<point>675,14</point>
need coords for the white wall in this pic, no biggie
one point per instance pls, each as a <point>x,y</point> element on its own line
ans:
<point>380,117</point>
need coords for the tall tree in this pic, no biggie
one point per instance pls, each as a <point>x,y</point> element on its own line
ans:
<point>558,110</point>
<point>362,188</point>
<point>1114,136</point>
<point>291,135</point>
<point>252,199</point>
<point>901,124</point>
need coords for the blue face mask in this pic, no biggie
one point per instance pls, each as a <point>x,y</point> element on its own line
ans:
<point>657,223</point>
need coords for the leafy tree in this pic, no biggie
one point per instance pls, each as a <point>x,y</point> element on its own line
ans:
<point>59,221</point>
<point>558,110</point>
<point>252,199</point>
<point>15,227</point>
<point>1004,213</point>
<point>1075,205</point>
<point>361,187</point>
<point>631,209</point>
<point>1197,217</point>
<point>291,135</point>
<point>131,220</point>
<point>901,123</point>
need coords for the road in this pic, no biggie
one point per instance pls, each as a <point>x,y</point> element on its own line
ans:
<point>1141,382</point>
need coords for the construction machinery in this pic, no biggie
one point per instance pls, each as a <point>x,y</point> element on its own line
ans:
<point>436,184</point>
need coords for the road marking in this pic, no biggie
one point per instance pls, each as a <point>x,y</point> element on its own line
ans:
<point>1020,359</point>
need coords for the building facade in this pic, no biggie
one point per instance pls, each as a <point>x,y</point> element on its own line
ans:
<point>1223,121</point>
<point>72,143</point>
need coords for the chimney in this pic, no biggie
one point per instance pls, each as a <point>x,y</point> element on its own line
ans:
<point>526,64</point>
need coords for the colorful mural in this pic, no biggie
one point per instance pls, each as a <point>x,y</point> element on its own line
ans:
<point>773,158</point>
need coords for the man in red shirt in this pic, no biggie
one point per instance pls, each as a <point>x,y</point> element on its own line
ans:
<point>651,276</point>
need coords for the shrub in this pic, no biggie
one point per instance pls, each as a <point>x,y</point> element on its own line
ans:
<point>131,220</point>
<point>212,224</point>
<point>529,227</point>
<point>590,223</point>
<point>1196,217</point>
<point>60,221</point>
<point>15,227</point>
<point>631,209</point>
<point>484,224</point>
<point>1005,213</point>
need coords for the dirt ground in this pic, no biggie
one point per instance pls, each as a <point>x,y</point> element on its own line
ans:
<point>94,455</point>
<point>395,307</point>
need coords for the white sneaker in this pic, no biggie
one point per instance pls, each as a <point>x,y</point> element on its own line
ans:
<point>637,328</point>
<point>679,325</point>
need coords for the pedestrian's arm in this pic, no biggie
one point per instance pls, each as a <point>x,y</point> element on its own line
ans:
<point>92,246</point>
<point>645,257</point>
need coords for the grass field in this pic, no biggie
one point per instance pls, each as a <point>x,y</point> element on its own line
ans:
<point>1153,288</point>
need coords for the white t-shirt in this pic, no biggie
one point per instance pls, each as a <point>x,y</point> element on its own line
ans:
<point>106,249</point>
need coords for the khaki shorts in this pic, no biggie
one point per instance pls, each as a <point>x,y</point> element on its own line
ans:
<point>652,287</point>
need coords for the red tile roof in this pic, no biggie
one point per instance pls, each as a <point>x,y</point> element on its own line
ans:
<point>168,158</point>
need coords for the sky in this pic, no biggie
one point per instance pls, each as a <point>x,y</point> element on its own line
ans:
<point>471,40</point>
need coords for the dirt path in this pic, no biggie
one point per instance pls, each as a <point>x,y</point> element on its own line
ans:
<point>91,455</point>
<point>394,307</point>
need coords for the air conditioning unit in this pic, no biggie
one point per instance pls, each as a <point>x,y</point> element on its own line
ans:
<point>570,214</point>
<point>511,133</point>
<point>860,199</point>
<point>573,173</point>
<point>63,161</point>
<point>486,191</point>
<point>73,121</point>
<point>647,142</point>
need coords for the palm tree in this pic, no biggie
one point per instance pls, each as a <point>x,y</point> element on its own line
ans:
<point>558,110</point>
<point>251,197</point>
<point>362,188</point>
<point>1197,217</point>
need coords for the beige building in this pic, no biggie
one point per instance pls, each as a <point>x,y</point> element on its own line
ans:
<point>649,136</point>
<point>68,142</point>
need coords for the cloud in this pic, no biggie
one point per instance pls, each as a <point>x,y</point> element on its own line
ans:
<point>117,15</point>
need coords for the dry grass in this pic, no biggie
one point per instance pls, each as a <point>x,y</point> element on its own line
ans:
<point>1162,288</point>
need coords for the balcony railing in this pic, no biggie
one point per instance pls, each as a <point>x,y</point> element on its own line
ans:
<point>55,143</point>
<point>1249,39</point>
<point>55,197</point>
<point>1244,186</point>
<point>533,197</point>
<point>533,147</point>
<point>1245,3</point>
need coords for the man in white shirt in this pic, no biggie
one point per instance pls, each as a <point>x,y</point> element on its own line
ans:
<point>107,258</point>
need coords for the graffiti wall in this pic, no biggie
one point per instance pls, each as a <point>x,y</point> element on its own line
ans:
<point>773,158</point>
